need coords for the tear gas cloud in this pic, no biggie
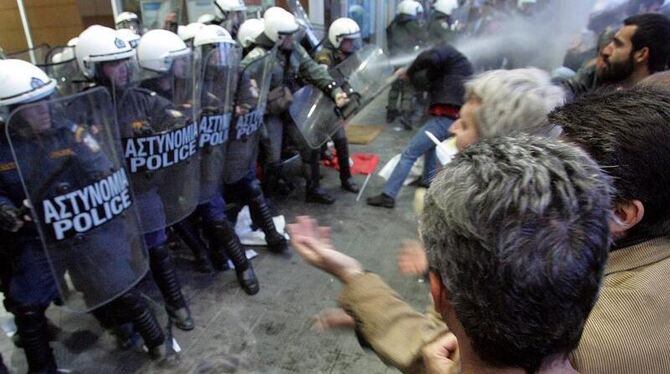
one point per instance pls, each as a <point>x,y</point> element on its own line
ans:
<point>540,41</point>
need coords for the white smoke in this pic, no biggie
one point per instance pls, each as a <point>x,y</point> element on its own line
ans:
<point>541,40</point>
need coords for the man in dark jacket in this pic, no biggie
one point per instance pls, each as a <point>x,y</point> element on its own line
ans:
<point>445,69</point>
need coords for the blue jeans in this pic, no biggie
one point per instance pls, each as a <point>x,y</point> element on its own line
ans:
<point>419,145</point>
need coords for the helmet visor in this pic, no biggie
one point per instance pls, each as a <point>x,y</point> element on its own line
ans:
<point>351,45</point>
<point>133,25</point>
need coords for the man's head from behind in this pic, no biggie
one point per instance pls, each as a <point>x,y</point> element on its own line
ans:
<point>641,47</point>
<point>517,235</point>
<point>628,134</point>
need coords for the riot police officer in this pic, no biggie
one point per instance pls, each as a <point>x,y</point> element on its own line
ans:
<point>293,63</point>
<point>188,32</point>
<point>107,60</point>
<point>65,156</point>
<point>232,14</point>
<point>129,20</point>
<point>404,35</point>
<point>440,24</point>
<point>162,52</point>
<point>248,32</point>
<point>344,38</point>
<point>240,183</point>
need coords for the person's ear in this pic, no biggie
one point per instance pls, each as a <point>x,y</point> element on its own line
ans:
<point>626,215</point>
<point>438,292</point>
<point>641,55</point>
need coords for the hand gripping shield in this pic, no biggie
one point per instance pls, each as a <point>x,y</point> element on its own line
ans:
<point>251,101</point>
<point>160,142</point>
<point>363,76</point>
<point>219,80</point>
<point>67,155</point>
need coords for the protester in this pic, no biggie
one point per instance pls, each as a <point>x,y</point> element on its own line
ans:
<point>628,134</point>
<point>497,102</point>
<point>640,48</point>
<point>444,70</point>
<point>515,294</point>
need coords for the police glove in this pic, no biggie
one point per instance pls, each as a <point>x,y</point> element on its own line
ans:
<point>10,218</point>
<point>341,99</point>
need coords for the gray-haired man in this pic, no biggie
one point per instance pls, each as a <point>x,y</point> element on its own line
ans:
<point>517,234</point>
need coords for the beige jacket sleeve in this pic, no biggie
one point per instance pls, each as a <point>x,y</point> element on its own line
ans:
<point>394,330</point>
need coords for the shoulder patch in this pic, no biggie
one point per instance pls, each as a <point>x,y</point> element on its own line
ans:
<point>60,153</point>
<point>7,166</point>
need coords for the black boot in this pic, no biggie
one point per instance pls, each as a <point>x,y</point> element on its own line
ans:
<point>3,368</point>
<point>272,171</point>
<point>187,232</point>
<point>130,308</point>
<point>318,195</point>
<point>165,276</point>
<point>382,200</point>
<point>342,148</point>
<point>227,241</point>
<point>31,324</point>
<point>314,193</point>
<point>262,217</point>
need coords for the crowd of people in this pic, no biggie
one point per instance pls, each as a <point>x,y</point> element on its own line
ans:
<point>544,239</point>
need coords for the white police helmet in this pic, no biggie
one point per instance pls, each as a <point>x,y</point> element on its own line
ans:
<point>279,22</point>
<point>249,31</point>
<point>22,82</point>
<point>159,48</point>
<point>100,44</point>
<point>343,28</point>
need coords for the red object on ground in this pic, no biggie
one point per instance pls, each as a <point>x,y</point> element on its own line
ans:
<point>364,163</point>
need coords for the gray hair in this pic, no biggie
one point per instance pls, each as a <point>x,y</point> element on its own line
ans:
<point>514,101</point>
<point>518,230</point>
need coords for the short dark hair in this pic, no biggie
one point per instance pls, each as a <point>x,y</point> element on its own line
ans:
<point>653,31</point>
<point>628,134</point>
<point>518,230</point>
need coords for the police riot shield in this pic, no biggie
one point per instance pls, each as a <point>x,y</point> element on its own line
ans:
<point>37,55</point>
<point>61,65</point>
<point>219,77</point>
<point>363,76</point>
<point>307,37</point>
<point>160,139</point>
<point>67,156</point>
<point>251,101</point>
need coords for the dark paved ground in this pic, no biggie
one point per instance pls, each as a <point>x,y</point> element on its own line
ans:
<point>269,332</point>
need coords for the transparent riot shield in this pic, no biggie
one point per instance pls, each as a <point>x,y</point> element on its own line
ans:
<point>61,65</point>
<point>67,156</point>
<point>307,36</point>
<point>251,100</point>
<point>219,77</point>
<point>37,55</point>
<point>160,140</point>
<point>363,76</point>
<point>315,115</point>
